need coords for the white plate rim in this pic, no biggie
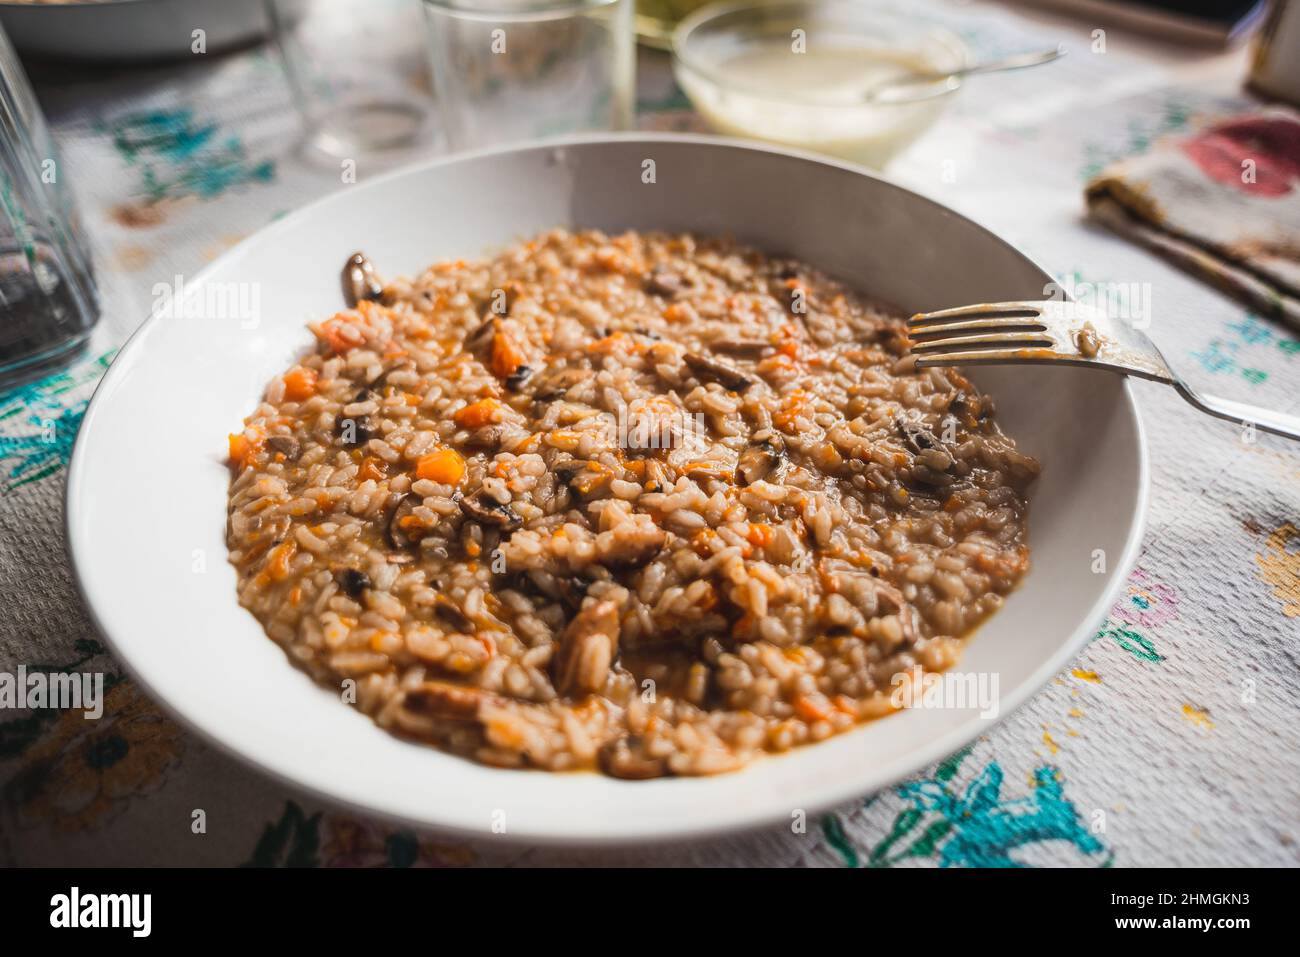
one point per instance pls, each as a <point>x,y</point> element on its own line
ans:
<point>854,785</point>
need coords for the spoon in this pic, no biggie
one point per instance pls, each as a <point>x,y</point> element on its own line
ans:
<point>921,85</point>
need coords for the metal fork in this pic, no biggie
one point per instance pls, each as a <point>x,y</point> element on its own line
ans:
<point>1065,333</point>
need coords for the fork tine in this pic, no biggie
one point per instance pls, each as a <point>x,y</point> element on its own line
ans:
<point>976,357</point>
<point>975,325</point>
<point>988,310</point>
<point>962,342</point>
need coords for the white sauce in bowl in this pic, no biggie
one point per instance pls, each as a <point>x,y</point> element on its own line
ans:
<point>818,99</point>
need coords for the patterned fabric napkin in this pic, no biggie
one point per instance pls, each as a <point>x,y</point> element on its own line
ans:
<point>1224,204</point>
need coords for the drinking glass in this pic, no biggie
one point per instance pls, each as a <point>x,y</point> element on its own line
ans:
<point>358,76</point>
<point>507,70</point>
<point>48,303</point>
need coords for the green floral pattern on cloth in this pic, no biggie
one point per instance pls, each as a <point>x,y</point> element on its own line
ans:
<point>176,155</point>
<point>39,423</point>
<point>1191,668</point>
<point>1144,608</point>
<point>972,825</point>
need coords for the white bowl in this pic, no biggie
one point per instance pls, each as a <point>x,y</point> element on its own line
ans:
<point>147,485</point>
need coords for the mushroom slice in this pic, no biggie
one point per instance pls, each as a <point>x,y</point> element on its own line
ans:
<point>582,477</point>
<point>286,445</point>
<point>486,510</point>
<point>554,383</point>
<point>355,430</point>
<point>480,337</point>
<point>743,348</point>
<point>794,298</point>
<point>353,581</point>
<point>662,281</point>
<point>442,699</point>
<point>630,544</point>
<point>587,650</point>
<point>712,370</point>
<point>973,408</point>
<point>929,477</point>
<point>487,437</point>
<point>763,457</point>
<point>917,437</point>
<point>516,380</point>
<point>450,612</point>
<point>360,282</point>
<point>396,531</point>
<point>568,591</point>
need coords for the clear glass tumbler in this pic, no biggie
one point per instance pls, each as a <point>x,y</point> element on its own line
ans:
<point>48,303</point>
<point>358,76</point>
<point>507,70</point>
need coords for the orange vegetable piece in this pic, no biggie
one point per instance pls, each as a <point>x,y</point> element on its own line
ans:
<point>277,566</point>
<point>615,342</point>
<point>299,384</point>
<point>478,414</point>
<point>242,448</point>
<point>445,466</point>
<point>812,707</point>
<point>372,467</point>
<point>335,336</point>
<point>506,357</point>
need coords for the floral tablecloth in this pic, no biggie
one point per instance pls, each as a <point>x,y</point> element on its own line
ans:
<point>1173,739</point>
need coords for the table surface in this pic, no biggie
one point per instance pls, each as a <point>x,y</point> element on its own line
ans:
<point>1173,739</point>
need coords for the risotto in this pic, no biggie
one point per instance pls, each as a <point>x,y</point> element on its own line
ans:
<point>649,504</point>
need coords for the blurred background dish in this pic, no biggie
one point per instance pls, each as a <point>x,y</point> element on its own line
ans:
<point>797,74</point>
<point>132,29</point>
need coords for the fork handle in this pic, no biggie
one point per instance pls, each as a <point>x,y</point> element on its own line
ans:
<point>1266,420</point>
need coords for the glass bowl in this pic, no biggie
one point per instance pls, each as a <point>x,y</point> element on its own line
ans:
<point>797,73</point>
